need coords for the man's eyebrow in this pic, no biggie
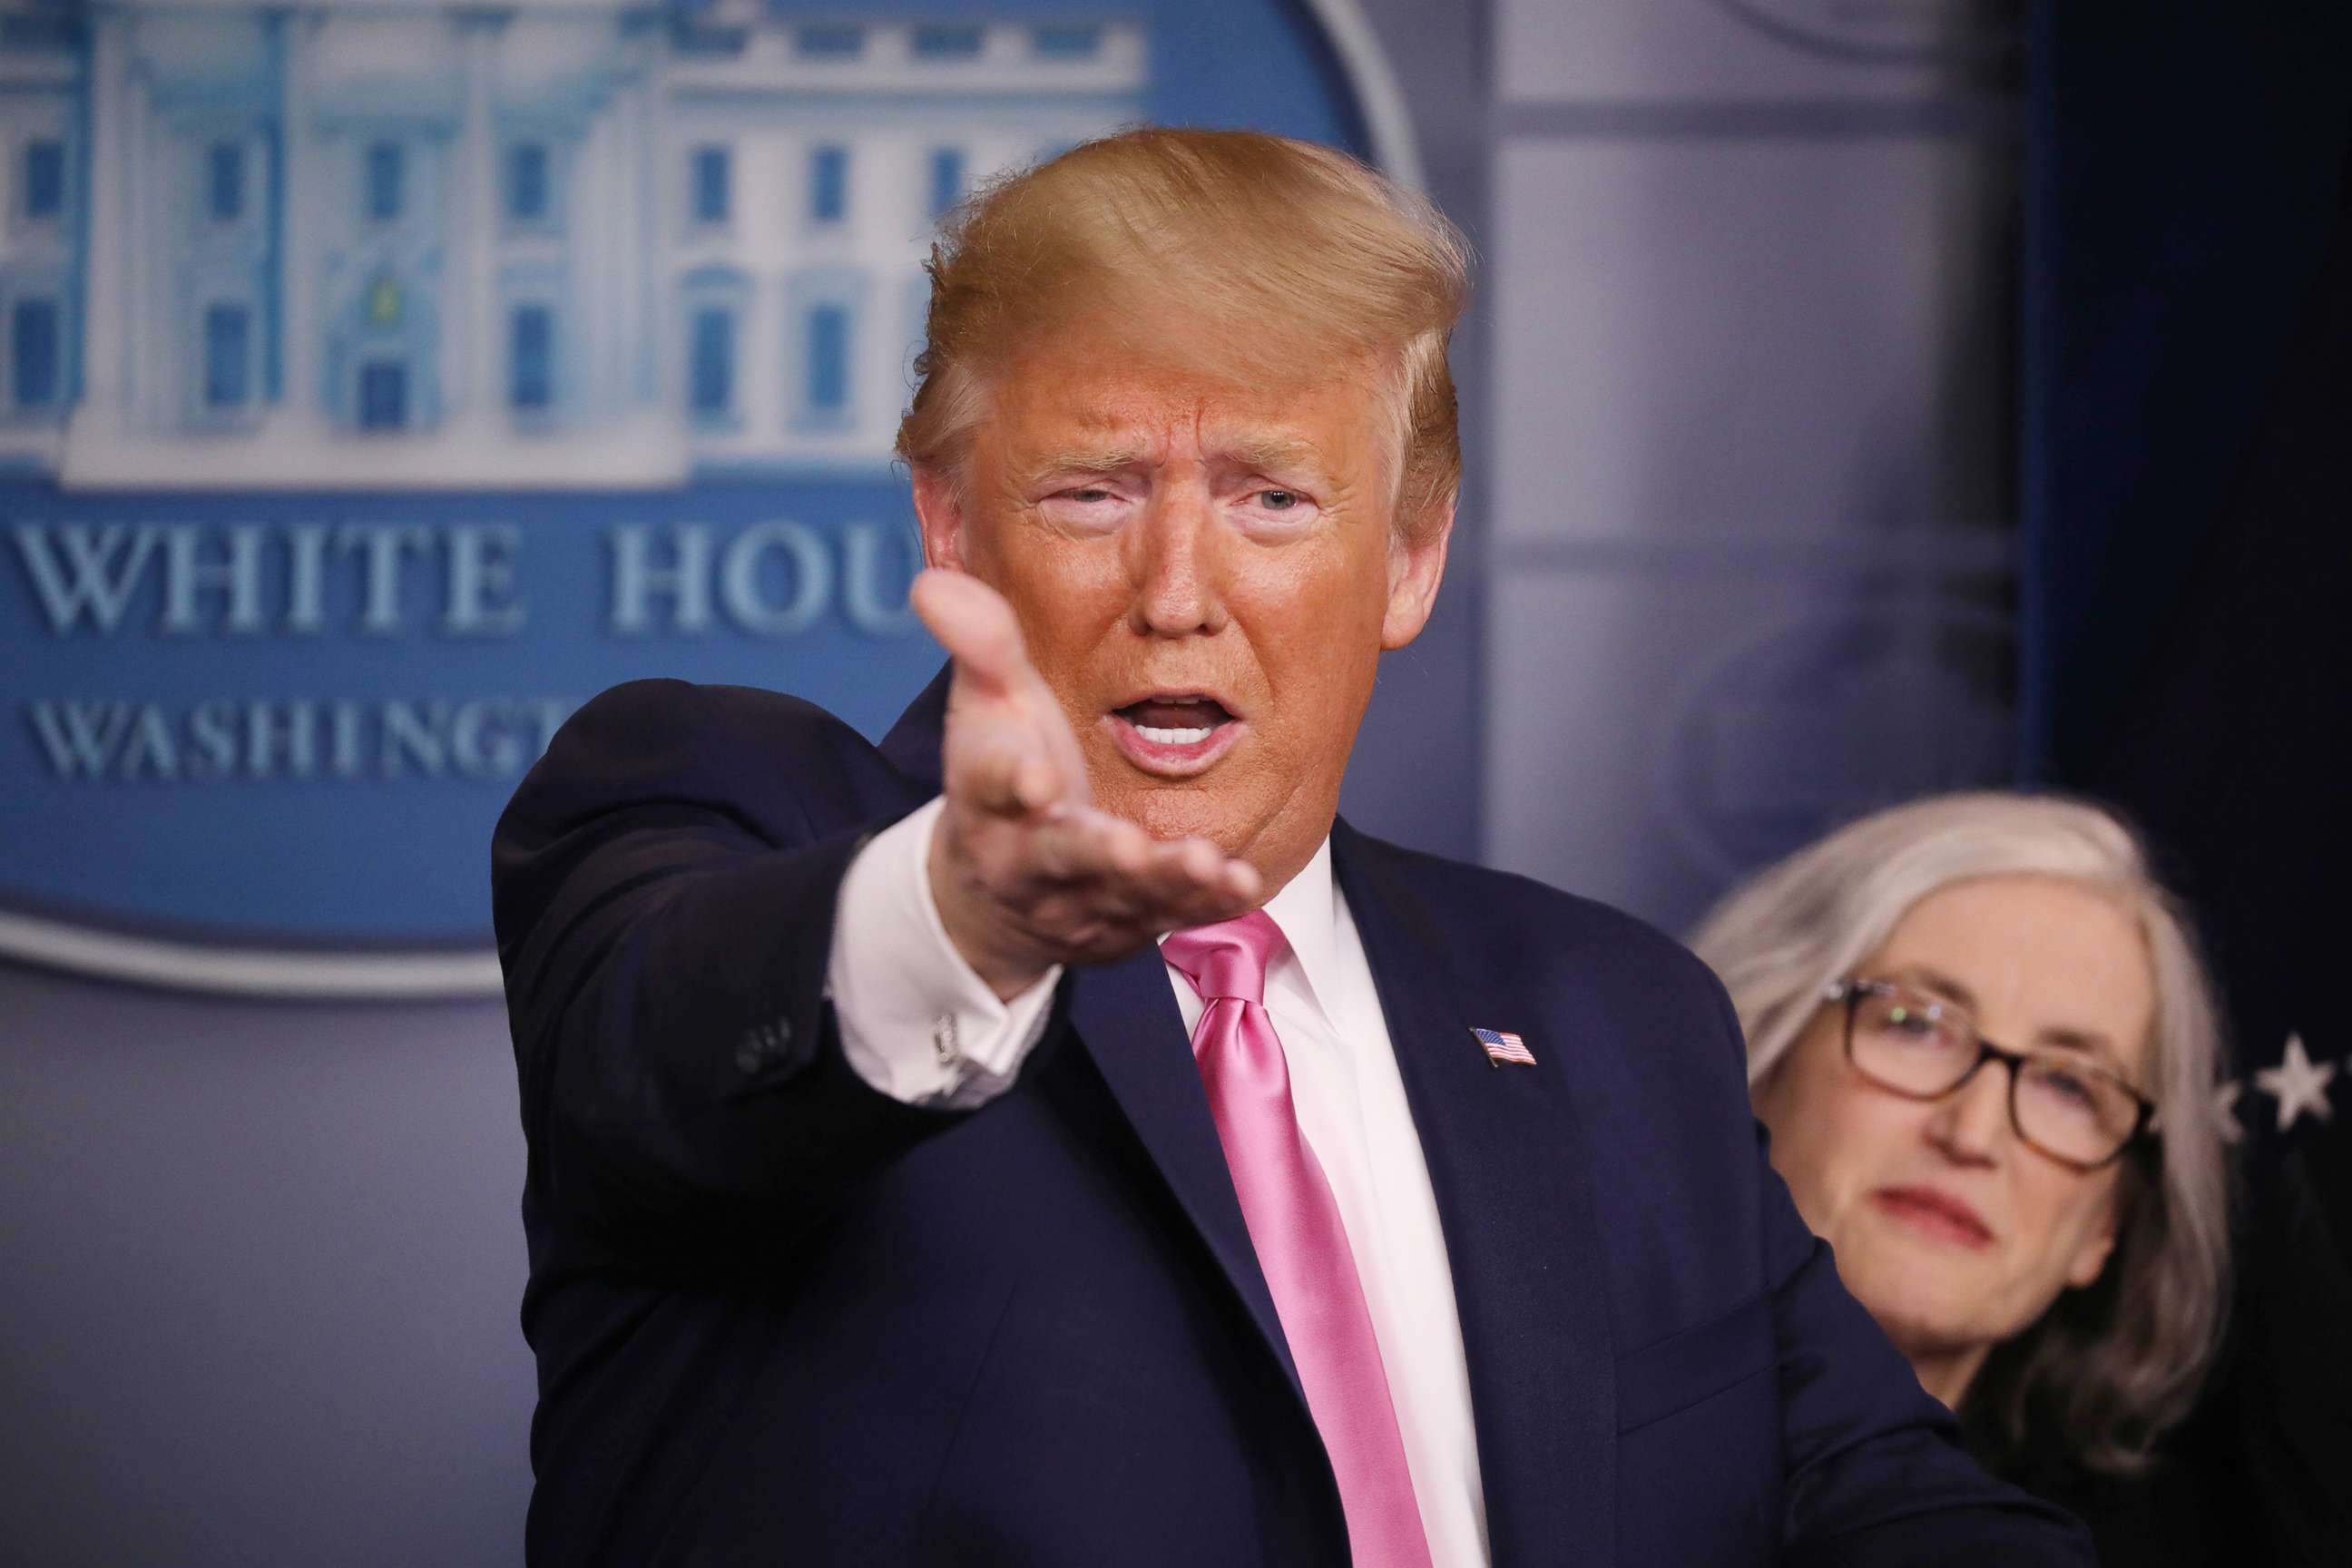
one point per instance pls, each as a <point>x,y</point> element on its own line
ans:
<point>1242,452</point>
<point>1102,459</point>
<point>1270,452</point>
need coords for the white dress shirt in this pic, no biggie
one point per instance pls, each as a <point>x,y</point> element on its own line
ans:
<point>917,1024</point>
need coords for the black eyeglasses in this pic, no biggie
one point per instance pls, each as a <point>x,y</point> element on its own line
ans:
<point>1912,1044</point>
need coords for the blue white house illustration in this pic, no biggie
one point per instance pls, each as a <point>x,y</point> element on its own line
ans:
<point>402,244</point>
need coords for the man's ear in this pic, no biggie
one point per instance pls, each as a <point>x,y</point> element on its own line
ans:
<point>939,516</point>
<point>1416,566</point>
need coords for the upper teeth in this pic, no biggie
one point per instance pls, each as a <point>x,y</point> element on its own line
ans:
<point>1159,737</point>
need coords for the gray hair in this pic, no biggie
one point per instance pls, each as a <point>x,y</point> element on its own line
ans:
<point>2116,1364</point>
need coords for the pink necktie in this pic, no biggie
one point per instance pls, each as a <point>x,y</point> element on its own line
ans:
<point>1301,1245</point>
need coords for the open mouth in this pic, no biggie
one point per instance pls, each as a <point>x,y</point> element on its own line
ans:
<point>1180,721</point>
<point>1174,732</point>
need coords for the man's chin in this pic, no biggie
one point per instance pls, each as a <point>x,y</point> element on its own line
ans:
<point>1275,834</point>
<point>1172,809</point>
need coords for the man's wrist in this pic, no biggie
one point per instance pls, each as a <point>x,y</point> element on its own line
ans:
<point>969,918</point>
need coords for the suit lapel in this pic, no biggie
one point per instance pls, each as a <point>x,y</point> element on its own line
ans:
<point>1126,1017</point>
<point>1505,1155</point>
<point>912,746</point>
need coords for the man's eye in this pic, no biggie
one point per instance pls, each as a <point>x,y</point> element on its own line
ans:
<point>1090,494</point>
<point>1279,501</point>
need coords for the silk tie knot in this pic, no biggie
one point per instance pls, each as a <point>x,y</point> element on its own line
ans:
<point>1228,959</point>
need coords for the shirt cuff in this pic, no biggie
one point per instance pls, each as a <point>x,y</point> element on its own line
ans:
<point>916,1022</point>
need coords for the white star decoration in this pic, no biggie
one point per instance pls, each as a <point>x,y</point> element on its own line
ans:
<point>2298,1084</point>
<point>2225,1110</point>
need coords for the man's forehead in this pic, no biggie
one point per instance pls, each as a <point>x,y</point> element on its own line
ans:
<point>1145,410</point>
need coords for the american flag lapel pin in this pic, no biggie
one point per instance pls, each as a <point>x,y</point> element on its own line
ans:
<point>1502,1046</point>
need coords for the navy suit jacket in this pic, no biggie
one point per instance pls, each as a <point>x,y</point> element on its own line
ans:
<point>780,1317</point>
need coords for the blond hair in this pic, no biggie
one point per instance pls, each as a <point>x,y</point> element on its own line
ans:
<point>1274,257</point>
<point>2111,1366</point>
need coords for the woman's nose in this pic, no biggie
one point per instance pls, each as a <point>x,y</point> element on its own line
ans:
<point>1972,1122</point>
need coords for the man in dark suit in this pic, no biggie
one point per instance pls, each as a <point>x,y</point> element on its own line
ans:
<point>879,1211</point>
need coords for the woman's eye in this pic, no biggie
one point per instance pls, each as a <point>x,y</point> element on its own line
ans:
<point>2067,1085</point>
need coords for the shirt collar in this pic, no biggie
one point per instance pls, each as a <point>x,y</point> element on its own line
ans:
<point>1306,911</point>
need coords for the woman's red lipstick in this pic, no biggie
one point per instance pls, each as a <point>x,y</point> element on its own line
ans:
<point>1938,1214</point>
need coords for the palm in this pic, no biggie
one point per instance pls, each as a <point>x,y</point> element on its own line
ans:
<point>1026,873</point>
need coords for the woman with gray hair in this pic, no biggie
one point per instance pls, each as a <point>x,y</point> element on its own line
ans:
<point>1980,1034</point>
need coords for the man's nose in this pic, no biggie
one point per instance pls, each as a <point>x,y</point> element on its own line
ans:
<point>1175,557</point>
<point>1971,1123</point>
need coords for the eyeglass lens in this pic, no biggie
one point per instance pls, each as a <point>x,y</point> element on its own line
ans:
<point>1912,1043</point>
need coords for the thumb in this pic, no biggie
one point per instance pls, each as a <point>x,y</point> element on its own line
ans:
<point>974,623</point>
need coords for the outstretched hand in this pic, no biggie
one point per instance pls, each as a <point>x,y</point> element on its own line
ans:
<point>1026,871</point>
